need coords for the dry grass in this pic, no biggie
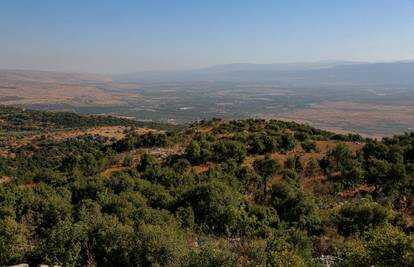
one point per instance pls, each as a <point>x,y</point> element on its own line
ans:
<point>306,183</point>
<point>38,93</point>
<point>355,191</point>
<point>26,92</point>
<point>372,120</point>
<point>117,132</point>
<point>323,147</point>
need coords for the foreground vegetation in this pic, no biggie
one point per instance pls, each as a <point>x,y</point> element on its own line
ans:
<point>218,193</point>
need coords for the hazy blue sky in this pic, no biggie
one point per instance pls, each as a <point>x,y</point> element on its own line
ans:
<point>123,36</point>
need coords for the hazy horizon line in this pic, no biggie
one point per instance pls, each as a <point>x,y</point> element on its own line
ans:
<point>339,61</point>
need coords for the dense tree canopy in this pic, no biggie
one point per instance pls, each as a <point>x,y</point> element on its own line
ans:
<point>217,193</point>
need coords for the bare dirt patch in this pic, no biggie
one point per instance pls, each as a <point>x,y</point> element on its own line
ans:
<point>5,179</point>
<point>108,172</point>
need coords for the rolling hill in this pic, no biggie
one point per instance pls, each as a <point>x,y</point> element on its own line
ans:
<point>216,193</point>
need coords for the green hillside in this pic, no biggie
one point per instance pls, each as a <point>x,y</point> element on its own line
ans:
<point>216,193</point>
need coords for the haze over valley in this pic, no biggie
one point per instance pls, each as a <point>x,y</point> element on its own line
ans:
<point>372,99</point>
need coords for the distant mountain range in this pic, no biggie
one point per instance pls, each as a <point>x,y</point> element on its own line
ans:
<point>318,72</point>
<point>322,72</point>
<point>277,67</point>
